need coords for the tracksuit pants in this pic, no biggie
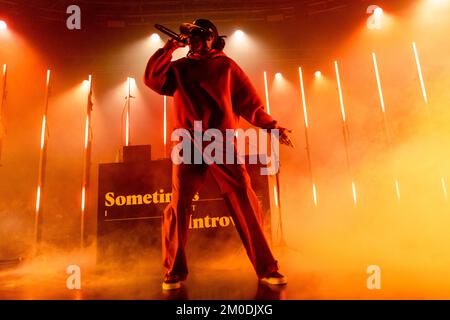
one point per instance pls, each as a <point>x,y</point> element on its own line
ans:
<point>234,183</point>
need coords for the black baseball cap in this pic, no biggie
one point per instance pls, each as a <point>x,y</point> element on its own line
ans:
<point>204,26</point>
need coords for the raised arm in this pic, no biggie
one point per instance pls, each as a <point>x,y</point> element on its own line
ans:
<point>248,104</point>
<point>159,75</point>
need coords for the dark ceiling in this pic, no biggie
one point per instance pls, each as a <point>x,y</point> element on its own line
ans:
<point>293,30</point>
<point>120,13</point>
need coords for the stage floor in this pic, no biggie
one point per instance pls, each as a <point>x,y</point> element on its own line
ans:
<point>45,278</point>
<point>231,278</point>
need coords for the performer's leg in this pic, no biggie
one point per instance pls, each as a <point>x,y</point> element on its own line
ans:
<point>186,181</point>
<point>234,183</point>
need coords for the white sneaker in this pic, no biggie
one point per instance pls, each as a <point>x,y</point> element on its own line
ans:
<point>274,278</point>
<point>171,283</point>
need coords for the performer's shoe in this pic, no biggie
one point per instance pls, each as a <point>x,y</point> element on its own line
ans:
<point>171,283</point>
<point>274,278</point>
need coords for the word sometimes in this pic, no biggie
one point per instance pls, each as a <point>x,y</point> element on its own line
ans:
<point>139,199</point>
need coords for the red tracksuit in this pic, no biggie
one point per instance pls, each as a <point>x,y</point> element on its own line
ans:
<point>216,91</point>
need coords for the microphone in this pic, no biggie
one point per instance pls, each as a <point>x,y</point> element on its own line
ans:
<point>171,33</point>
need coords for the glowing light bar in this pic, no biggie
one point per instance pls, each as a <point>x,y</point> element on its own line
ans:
<point>48,77</point>
<point>42,159</point>
<point>275,196</point>
<point>38,198</point>
<point>43,132</point>
<point>127,129</point>
<point>132,84</point>
<point>305,113</point>
<point>4,69</point>
<point>314,194</point>
<point>165,121</point>
<point>354,193</point>
<point>397,189</point>
<point>128,87</point>
<point>86,133</point>
<point>267,92</point>
<point>130,81</point>
<point>380,91</point>
<point>340,90</point>
<point>444,189</point>
<point>83,198</point>
<point>419,71</point>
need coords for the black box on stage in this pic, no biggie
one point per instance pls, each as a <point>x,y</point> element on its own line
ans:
<point>140,153</point>
<point>132,197</point>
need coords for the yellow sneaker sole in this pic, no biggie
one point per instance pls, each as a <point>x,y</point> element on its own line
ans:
<point>171,286</point>
<point>274,281</point>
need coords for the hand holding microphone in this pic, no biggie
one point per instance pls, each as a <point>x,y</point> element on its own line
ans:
<point>173,44</point>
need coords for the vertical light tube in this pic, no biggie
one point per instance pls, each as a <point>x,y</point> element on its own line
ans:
<point>354,193</point>
<point>314,194</point>
<point>86,132</point>
<point>2,103</point>
<point>345,131</point>
<point>302,88</point>
<point>308,149</point>
<point>275,196</point>
<point>419,71</point>
<point>425,99</point>
<point>444,189</point>
<point>377,75</point>
<point>127,129</point>
<point>341,100</point>
<point>397,189</point>
<point>86,161</point>
<point>42,163</point>
<point>266,90</point>
<point>383,113</point>
<point>165,126</point>
<point>38,198</point>
<point>83,199</point>
<point>127,120</point>
<point>43,131</point>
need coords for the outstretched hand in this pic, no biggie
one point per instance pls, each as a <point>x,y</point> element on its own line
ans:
<point>284,136</point>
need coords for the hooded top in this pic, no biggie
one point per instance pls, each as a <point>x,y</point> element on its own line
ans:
<point>213,89</point>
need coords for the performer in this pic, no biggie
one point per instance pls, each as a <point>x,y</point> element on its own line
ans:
<point>210,87</point>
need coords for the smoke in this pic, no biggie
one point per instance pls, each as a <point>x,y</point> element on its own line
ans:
<point>407,237</point>
<point>329,247</point>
